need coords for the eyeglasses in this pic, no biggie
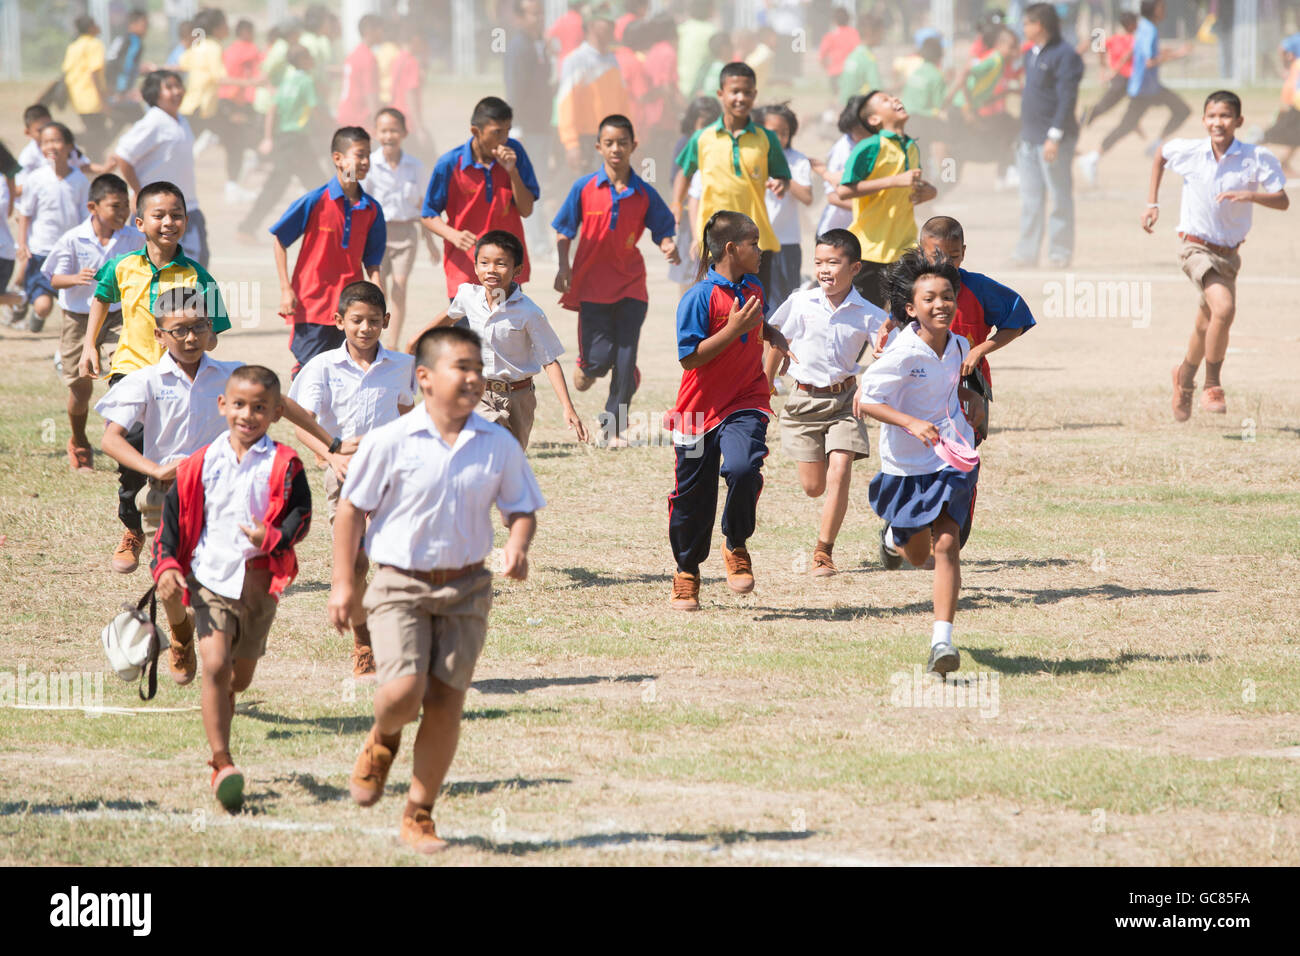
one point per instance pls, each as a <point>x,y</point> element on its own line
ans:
<point>198,329</point>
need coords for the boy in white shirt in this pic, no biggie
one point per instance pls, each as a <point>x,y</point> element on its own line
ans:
<point>53,201</point>
<point>827,326</point>
<point>429,481</point>
<point>176,403</point>
<point>229,525</point>
<point>350,391</point>
<point>70,268</point>
<point>518,342</point>
<point>1222,176</point>
<point>783,210</point>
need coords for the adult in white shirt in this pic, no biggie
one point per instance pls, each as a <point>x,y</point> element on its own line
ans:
<point>159,147</point>
<point>1222,178</point>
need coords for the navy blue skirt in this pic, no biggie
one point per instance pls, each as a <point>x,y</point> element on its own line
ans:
<point>910,503</point>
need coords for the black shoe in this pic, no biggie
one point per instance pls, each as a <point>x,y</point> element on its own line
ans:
<point>943,659</point>
<point>35,323</point>
<point>892,560</point>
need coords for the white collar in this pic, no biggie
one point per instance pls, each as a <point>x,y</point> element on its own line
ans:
<point>853,298</point>
<point>341,356</point>
<point>167,365</point>
<point>262,446</point>
<point>418,420</point>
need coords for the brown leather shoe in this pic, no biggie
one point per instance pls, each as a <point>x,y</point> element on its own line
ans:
<point>80,458</point>
<point>370,772</point>
<point>581,380</point>
<point>1212,400</point>
<point>419,833</point>
<point>363,665</point>
<point>823,566</point>
<point>1182,399</point>
<point>686,592</point>
<point>740,570</point>
<point>183,664</point>
<point>127,556</point>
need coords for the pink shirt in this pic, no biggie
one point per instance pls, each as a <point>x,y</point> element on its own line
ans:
<point>360,87</point>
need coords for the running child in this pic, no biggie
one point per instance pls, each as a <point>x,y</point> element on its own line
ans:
<point>913,391</point>
<point>518,342</point>
<point>226,538</point>
<point>1222,177</point>
<point>485,184</point>
<point>396,179</point>
<point>783,210</point>
<point>351,391</point>
<point>70,268</point>
<point>53,201</point>
<point>428,482</point>
<point>702,111</point>
<point>343,241</point>
<point>827,328</point>
<point>719,422</point>
<point>607,211</point>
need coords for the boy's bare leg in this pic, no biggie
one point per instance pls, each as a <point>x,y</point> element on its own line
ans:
<point>435,742</point>
<point>360,633</point>
<point>242,677</point>
<point>396,310</point>
<point>79,393</point>
<point>947,567</point>
<point>397,703</point>
<point>839,472</point>
<point>216,696</point>
<point>812,477</point>
<point>1223,309</point>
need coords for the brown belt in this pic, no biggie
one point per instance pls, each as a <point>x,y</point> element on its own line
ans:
<point>1224,251</point>
<point>439,576</point>
<point>504,387</point>
<point>837,389</point>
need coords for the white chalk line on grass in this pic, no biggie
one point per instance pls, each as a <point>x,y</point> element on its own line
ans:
<point>112,709</point>
<point>541,842</point>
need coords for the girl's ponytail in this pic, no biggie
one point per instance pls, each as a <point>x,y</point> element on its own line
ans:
<point>724,226</point>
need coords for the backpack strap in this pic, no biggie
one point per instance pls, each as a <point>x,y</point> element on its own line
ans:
<point>150,669</point>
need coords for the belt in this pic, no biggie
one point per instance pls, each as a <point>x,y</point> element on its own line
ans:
<point>836,389</point>
<point>1216,249</point>
<point>504,387</point>
<point>439,576</point>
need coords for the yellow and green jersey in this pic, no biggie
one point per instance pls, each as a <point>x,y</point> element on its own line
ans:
<point>883,221</point>
<point>980,82</point>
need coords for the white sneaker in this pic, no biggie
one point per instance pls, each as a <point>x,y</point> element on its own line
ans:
<point>204,140</point>
<point>1012,180</point>
<point>1088,164</point>
<point>58,361</point>
<point>237,193</point>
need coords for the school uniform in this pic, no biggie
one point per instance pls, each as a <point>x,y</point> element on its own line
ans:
<point>836,217</point>
<point>915,486</point>
<point>79,248</point>
<point>984,305</point>
<point>1210,231</point>
<point>883,221</point>
<point>607,284</point>
<point>399,190</point>
<point>8,248</point>
<point>430,531</point>
<point>719,423</point>
<point>787,222</point>
<point>177,416</point>
<point>477,197</point>
<point>53,205</point>
<point>160,147</point>
<point>234,586</point>
<point>349,401</point>
<point>341,240</point>
<point>827,340</point>
<point>517,343</point>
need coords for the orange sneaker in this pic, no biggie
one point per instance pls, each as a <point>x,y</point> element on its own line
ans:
<point>823,565</point>
<point>183,664</point>
<point>127,556</point>
<point>419,833</point>
<point>1212,400</point>
<point>686,592</point>
<point>1182,398</point>
<point>80,458</point>
<point>740,570</point>
<point>228,786</point>
<point>370,772</point>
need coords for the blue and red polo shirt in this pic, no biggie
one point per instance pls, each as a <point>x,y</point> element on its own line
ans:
<point>476,197</point>
<point>983,304</point>
<point>608,266</point>
<point>733,381</point>
<point>340,240</point>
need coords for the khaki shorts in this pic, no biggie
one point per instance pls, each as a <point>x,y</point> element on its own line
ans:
<point>73,337</point>
<point>149,502</point>
<point>399,256</point>
<point>332,488</point>
<point>813,426</point>
<point>247,621</point>
<point>416,628</point>
<point>1198,262</point>
<point>514,410</point>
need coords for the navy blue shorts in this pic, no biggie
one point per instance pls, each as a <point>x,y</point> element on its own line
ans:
<point>307,340</point>
<point>35,282</point>
<point>6,273</point>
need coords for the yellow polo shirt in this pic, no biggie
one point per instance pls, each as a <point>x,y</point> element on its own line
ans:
<point>84,56</point>
<point>884,221</point>
<point>734,171</point>
<point>204,73</point>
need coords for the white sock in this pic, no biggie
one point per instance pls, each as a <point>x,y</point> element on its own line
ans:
<point>942,633</point>
<point>890,546</point>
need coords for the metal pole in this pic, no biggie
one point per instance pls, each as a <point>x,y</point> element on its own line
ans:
<point>941,18</point>
<point>277,11</point>
<point>1245,47</point>
<point>464,50</point>
<point>98,10</point>
<point>11,49</point>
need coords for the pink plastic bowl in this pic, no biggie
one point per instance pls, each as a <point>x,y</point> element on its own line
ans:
<point>957,453</point>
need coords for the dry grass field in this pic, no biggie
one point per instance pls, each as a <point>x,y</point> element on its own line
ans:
<point>1127,620</point>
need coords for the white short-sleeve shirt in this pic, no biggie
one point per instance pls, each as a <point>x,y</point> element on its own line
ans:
<point>1243,167</point>
<point>430,503</point>
<point>912,379</point>
<point>826,340</point>
<point>161,149</point>
<point>348,400</point>
<point>234,493</point>
<point>30,159</point>
<point>53,205</point>
<point>179,415</point>
<point>517,338</point>
<point>399,189</point>
<point>8,248</point>
<point>79,248</point>
<point>783,212</point>
<point>833,217</point>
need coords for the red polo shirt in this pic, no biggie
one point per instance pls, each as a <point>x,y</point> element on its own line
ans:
<point>360,81</point>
